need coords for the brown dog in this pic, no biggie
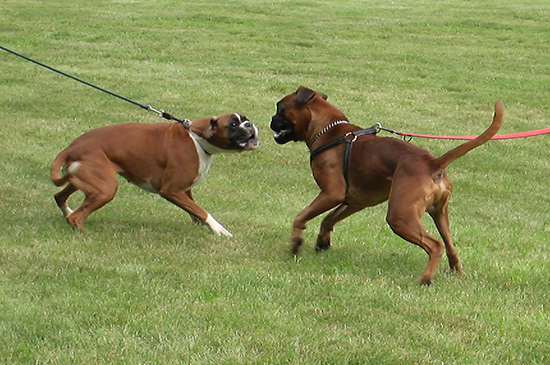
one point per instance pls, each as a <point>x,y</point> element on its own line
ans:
<point>165,158</point>
<point>356,169</point>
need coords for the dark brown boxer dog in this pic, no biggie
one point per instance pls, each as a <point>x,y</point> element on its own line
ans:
<point>356,169</point>
<point>164,158</point>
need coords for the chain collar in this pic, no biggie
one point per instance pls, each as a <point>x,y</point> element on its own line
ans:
<point>324,130</point>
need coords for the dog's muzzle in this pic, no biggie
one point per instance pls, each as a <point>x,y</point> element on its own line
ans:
<point>283,128</point>
<point>252,142</point>
<point>245,134</point>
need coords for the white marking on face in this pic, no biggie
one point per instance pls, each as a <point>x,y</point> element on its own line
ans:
<point>243,123</point>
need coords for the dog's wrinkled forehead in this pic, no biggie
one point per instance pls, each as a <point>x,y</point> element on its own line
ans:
<point>284,105</point>
<point>232,122</point>
<point>237,119</point>
<point>298,99</point>
<point>239,124</point>
<point>280,107</point>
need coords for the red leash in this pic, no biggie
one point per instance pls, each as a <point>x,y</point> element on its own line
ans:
<point>537,132</point>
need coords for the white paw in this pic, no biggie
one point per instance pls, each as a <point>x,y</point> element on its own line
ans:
<point>216,227</point>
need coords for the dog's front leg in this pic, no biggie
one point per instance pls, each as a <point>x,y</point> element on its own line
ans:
<point>341,212</point>
<point>322,203</point>
<point>186,203</point>
<point>193,218</point>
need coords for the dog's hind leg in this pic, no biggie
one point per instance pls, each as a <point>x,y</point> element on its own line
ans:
<point>99,187</point>
<point>407,226</point>
<point>62,196</point>
<point>341,212</point>
<point>441,220</point>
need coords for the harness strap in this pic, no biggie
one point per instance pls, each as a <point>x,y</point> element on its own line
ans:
<point>339,140</point>
<point>349,138</point>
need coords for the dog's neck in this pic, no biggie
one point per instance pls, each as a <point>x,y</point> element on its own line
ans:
<point>325,129</point>
<point>205,159</point>
<point>208,147</point>
<point>197,130</point>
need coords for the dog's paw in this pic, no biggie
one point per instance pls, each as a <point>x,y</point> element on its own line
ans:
<point>425,281</point>
<point>322,245</point>
<point>295,245</point>
<point>216,227</point>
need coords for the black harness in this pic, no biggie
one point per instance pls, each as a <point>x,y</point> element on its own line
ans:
<point>348,138</point>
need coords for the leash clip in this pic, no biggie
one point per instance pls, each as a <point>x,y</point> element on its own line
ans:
<point>159,112</point>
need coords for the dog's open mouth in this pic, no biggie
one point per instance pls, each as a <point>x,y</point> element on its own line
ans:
<point>283,128</point>
<point>283,136</point>
<point>282,133</point>
<point>251,144</point>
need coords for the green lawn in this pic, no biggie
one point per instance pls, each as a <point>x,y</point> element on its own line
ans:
<point>145,285</point>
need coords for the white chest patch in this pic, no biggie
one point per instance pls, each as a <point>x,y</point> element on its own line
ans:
<point>205,160</point>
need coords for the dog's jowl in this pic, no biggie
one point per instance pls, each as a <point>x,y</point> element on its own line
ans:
<point>164,158</point>
<point>356,169</point>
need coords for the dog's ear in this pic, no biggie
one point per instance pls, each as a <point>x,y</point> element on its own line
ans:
<point>212,127</point>
<point>303,95</point>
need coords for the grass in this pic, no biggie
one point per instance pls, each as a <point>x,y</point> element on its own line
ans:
<point>144,285</point>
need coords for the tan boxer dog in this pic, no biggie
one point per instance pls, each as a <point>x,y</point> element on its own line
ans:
<point>164,158</point>
<point>356,169</point>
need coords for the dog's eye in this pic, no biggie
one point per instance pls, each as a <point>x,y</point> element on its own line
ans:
<point>234,124</point>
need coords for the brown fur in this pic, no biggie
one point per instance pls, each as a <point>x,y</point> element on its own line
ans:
<point>161,158</point>
<point>380,169</point>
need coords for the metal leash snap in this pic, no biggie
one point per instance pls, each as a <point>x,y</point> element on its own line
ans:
<point>159,112</point>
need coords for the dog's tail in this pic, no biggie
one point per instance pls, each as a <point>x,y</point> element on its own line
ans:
<point>60,163</point>
<point>446,159</point>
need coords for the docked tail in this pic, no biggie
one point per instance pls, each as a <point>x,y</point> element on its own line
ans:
<point>60,163</point>
<point>446,159</point>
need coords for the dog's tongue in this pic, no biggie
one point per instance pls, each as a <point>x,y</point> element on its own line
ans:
<point>252,144</point>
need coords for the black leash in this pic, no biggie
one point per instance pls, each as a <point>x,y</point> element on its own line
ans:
<point>161,113</point>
